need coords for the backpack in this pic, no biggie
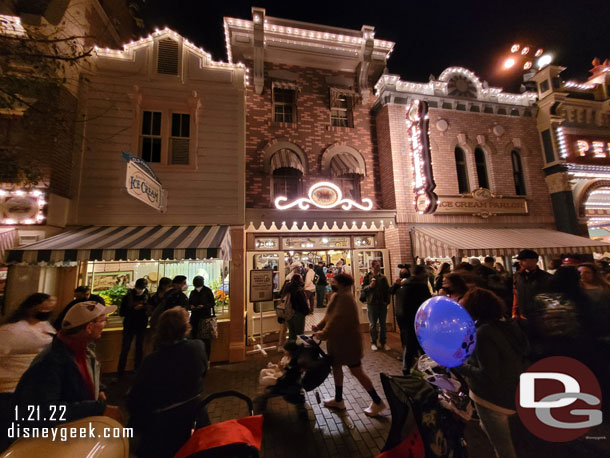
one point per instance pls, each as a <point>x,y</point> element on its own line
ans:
<point>284,309</point>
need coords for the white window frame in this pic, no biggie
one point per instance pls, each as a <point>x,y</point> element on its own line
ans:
<point>348,112</point>
<point>274,103</point>
<point>166,137</point>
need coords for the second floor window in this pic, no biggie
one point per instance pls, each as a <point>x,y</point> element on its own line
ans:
<point>179,140</point>
<point>340,109</point>
<point>479,159</point>
<point>150,139</point>
<point>165,137</point>
<point>287,183</point>
<point>284,104</point>
<point>350,185</point>
<point>462,171</point>
<point>518,173</point>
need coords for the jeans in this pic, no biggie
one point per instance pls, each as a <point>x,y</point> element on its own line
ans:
<point>496,427</point>
<point>296,325</point>
<point>128,335</point>
<point>320,294</point>
<point>377,313</point>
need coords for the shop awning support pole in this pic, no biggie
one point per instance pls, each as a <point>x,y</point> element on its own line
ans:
<point>260,348</point>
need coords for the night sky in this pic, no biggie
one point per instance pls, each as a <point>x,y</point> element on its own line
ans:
<point>429,35</point>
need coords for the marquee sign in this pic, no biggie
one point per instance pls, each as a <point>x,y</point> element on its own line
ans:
<point>421,162</point>
<point>22,207</point>
<point>142,183</point>
<point>481,202</point>
<point>323,195</point>
<point>587,149</point>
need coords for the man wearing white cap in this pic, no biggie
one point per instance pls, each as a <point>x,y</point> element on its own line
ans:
<point>67,372</point>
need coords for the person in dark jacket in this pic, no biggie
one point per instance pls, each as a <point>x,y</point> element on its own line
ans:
<point>156,301</point>
<point>377,289</point>
<point>81,294</point>
<point>438,281</point>
<point>530,281</point>
<point>410,294</point>
<point>298,300</point>
<point>66,373</point>
<point>493,369</point>
<point>176,296</point>
<point>163,400</point>
<point>135,320</point>
<point>201,301</point>
<point>320,285</point>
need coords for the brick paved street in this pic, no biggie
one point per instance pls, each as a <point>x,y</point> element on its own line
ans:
<point>352,434</point>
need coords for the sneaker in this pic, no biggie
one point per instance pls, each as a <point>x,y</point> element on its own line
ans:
<point>375,409</point>
<point>332,403</point>
<point>386,347</point>
<point>374,347</point>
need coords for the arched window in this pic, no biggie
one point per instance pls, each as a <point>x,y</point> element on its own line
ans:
<point>462,170</point>
<point>347,171</point>
<point>287,183</point>
<point>479,160</point>
<point>518,173</point>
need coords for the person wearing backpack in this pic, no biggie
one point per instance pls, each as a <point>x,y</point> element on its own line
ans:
<point>493,369</point>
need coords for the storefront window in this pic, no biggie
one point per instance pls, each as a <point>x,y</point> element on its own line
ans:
<point>111,280</point>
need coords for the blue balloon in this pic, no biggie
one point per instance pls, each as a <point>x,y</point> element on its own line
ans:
<point>445,331</point>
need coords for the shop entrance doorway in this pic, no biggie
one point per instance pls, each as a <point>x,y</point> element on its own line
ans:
<point>355,262</point>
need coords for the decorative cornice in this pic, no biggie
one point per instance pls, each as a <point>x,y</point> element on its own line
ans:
<point>389,83</point>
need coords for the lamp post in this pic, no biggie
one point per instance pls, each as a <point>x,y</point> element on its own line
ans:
<point>530,59</point>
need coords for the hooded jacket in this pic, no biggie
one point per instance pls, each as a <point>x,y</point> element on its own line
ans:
<point>499,358</point>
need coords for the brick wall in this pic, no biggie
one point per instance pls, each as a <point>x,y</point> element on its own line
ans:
<point>471,129</point>
<point>312,133</point>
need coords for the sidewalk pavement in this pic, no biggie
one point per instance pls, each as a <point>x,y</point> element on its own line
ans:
<point>327,433</point>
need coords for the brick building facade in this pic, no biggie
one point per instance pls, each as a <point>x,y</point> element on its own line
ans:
<point>485,164</point>
<point>574,125</point>
<point>310,132</point>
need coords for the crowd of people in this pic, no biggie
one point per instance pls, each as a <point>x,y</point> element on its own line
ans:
<point>50,365</point>
<point>521,317</point>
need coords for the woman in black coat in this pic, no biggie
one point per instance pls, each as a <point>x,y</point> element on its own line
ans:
<point>164,399</point>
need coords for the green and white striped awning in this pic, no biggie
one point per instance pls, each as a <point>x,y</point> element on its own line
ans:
<point>439,242</point>
<point>127,243</point>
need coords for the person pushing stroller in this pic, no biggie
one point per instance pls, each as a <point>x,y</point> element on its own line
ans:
<point>341,328</point>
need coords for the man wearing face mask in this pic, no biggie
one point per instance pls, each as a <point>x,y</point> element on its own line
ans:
<point>135,321</point>
<point>410,293</point>
<point>201,301</point>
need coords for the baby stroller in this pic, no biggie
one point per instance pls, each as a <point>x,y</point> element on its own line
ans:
<point>309,366</point>
<point>239,438</point>
<point>421,426</point>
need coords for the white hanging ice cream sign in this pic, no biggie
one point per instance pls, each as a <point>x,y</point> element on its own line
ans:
<point>324,195</point>
<point>142,183</point>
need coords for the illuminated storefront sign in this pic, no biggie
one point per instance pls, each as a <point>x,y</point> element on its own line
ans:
<point>22,207</point>
<point>421,162</point>
<point>481,203</point>
<point>585,149</point>
<point>323,195</point>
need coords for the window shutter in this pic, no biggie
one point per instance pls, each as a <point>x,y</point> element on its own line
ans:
<point>179,150</point>
<point>167,59</point>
